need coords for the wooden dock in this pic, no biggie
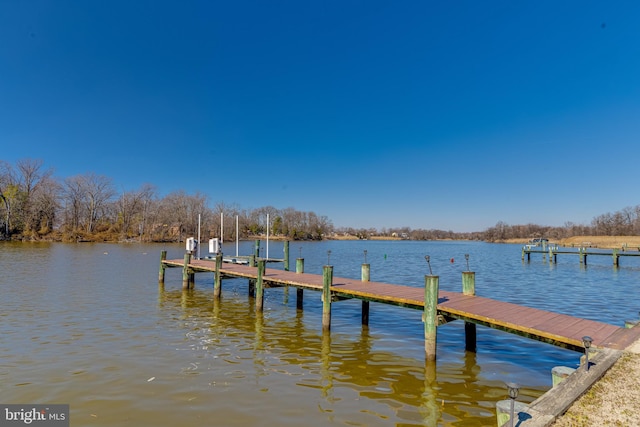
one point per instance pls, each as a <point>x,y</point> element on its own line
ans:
<point>546,326</point>
<point>581,253</point>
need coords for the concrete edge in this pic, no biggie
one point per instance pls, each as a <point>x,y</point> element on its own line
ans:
<point>547,408</point>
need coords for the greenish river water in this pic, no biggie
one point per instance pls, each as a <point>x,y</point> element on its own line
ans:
<point>88,325</point>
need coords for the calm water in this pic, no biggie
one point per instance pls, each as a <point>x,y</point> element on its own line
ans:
<point>88,325</point>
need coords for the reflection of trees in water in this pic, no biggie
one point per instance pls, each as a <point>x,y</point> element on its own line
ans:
<point>451,392</point>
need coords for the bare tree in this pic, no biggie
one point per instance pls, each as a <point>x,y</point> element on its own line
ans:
<point>8,192</point>
<point>131,209</point>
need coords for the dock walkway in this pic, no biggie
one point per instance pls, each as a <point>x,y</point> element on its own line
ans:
<point>546,326</point>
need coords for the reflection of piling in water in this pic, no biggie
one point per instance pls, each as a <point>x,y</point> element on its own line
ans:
<point>430,408</point>
<point>325,356</point>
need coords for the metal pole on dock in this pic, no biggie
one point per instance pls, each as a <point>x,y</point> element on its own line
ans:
<point>259,286</point>
<point>299,291</point>
<point>163,256</point>
<point>327,280</point>
<point>366,276</point>
<point>431,284</point>
<point>217,285</point>
<point>469,288</point>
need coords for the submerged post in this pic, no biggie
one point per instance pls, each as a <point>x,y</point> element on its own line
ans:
<point>327,280</point>
<point>469,288</point>
<point>217,285</point>
<point>185,270</point>
<point>163,257</point>
<point>299,291</point>
<point>431,284</point>
<point>259,286</point>
<point>366,270</point>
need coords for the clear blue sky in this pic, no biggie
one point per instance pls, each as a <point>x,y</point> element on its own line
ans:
<point>428,114</point>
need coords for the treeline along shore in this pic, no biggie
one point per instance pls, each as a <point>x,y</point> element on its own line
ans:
<point>36,205</point>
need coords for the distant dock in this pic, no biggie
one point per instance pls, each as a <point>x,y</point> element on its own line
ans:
<point>582,253</point>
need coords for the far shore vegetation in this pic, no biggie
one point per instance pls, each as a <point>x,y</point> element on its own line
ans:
<point>36,206</point>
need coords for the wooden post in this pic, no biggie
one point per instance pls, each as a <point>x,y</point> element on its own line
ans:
<point>185,270</point>
<point>469,288</point>
<point>217,285</point>
<point>503,412</point>
<point>259,286</point>
<point>583,255</point>
<point>616,258</point>
<point>299,291</point>
<point>163,256</point>
<point>430,317</point>
<point>286,255</point>
<point>468,283</point>
<point>327,280</point>
<point>256,250</point>
<point>366,275</point>
<point>631,323</point>
<point>523,253</point>
<point>559,373</point>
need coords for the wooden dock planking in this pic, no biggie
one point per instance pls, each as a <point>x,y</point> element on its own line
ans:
<point>559,329</point>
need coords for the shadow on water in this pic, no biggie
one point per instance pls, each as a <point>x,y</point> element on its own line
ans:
<point>285,342</point>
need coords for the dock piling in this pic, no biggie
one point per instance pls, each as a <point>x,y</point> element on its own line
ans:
<point>256,250</point>
<point>286,255</point>
<point>430,317</point>
<point>327,281</point>
<point>186,275</point>
<point>299,291</point>
<point>366,270</point>
<point>469,288</point>
<point>217,285</point>
<point>163,257</point>
<point>259,286</point>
